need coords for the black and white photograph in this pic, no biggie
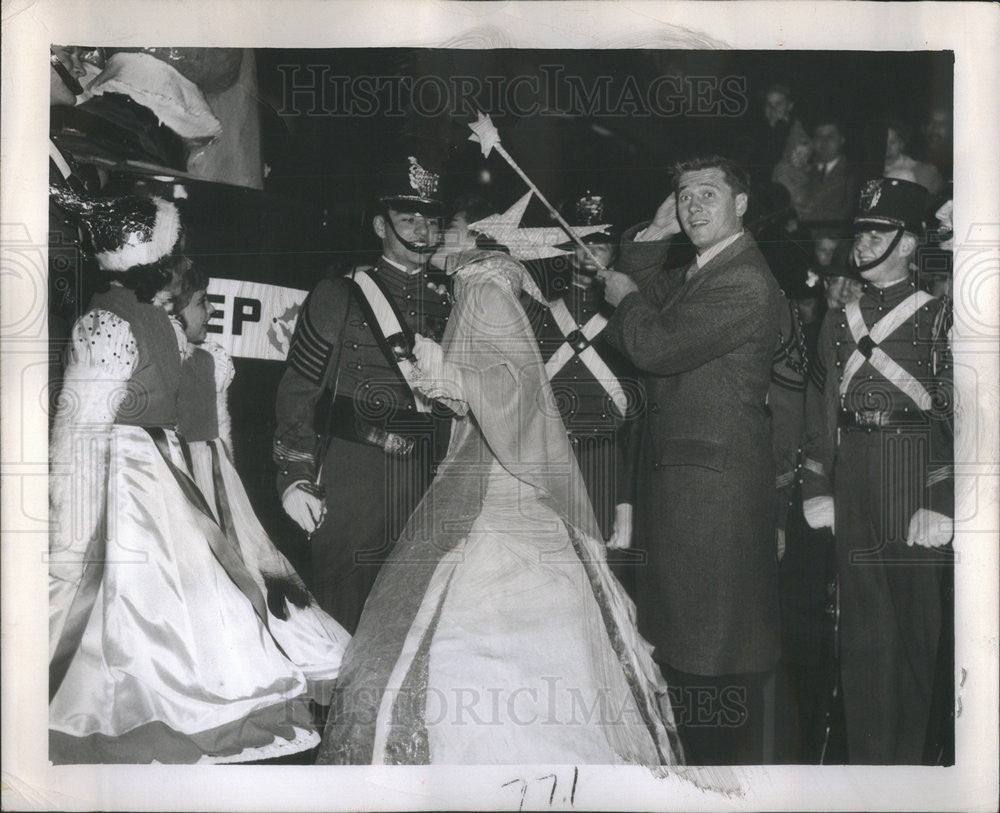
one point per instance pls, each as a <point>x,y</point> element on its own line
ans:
<point>583,404</point>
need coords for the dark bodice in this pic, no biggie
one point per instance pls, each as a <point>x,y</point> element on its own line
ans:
<point>152,390</point>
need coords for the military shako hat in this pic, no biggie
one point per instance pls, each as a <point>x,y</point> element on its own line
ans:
<point>889,204</point>
<point>410,180</point>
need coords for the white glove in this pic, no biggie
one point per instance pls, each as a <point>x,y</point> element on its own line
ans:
<point>307,510</point>
<point>781,544</point>
<point>621,537</point>
<point>437,377</point>
<point>929,529</point>
<point>818,512</point>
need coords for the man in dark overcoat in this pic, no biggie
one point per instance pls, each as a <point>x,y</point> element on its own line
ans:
<point>704,336</point>
<point>354,444</point>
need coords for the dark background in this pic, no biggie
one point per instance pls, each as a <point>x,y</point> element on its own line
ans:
<point>325,155</point>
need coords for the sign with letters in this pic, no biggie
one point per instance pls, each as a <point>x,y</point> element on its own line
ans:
<point>253,319</point>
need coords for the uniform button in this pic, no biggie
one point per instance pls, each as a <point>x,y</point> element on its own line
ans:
<point>409,296</point>
<point>654,408</point>
<point>354,345</point>
<point>412,313</point>
<point>656,467</point>
<point>409,406</point>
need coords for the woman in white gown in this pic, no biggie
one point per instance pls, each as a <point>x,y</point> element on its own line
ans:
<point>310,638</point>
<point>161,647</point>
<point>496,632</point>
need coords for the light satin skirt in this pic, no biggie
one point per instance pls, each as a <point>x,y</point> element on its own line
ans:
<point>174,664</point>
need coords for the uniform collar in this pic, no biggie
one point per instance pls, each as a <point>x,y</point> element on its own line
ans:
<point>399,267</point>
<point>898,290</point>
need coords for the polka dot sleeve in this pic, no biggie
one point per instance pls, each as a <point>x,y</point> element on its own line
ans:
<point>102,339</point>
<point>224,369</point>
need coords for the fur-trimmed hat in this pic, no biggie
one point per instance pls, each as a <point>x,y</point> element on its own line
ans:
<point>125,232</point>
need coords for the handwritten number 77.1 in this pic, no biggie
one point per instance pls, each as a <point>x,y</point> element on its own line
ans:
<point>552,793</point>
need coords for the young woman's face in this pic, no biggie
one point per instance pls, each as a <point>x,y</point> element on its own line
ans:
<point>195,317</point>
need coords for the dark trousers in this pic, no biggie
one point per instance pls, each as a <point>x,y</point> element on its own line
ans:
<point>369,497</point>
<point>890,599</point>
<point>721,719</point>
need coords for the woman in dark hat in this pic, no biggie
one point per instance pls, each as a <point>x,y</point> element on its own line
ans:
<point>160,641</point>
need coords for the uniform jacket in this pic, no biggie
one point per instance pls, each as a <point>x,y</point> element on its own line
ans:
<point>706,477</point>
<point>920,347</point>
<point>335,324</point>
<point>602,437</point>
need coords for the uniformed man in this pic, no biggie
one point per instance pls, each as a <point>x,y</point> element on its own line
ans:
<point>595,387</point>
<point>354,443</point>
<point>877,471</point>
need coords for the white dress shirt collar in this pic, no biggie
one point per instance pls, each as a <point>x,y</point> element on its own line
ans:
<point>709,253</point>
<point>829,165</point>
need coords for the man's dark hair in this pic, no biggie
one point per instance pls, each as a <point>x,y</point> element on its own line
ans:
<point>903,130</point>
<point>827,119</point>
<point>735,176</point>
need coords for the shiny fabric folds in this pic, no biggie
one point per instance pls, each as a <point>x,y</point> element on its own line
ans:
<point>496,632</point>
<point>174,665</point>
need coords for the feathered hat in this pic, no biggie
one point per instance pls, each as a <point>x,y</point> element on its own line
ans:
<point>125,232</point>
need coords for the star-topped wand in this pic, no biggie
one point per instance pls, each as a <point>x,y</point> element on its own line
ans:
<point>485,133</point>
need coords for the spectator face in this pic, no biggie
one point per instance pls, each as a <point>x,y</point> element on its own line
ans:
<point>826,247</point>
<point>59,93</point>
<point>777,107</point>
<point>937,129</point>
<point>828,143</point>
<point>944,219</point>
<point>894,145</point>
<point>840,291</point>
<point>800,155</point>
<point>939,285</point>
<point>808,310</point>
<point>708,209</point>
